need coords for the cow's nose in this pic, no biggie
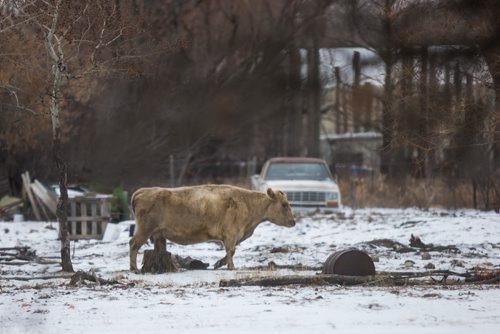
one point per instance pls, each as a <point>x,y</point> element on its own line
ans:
<point>292,223</point>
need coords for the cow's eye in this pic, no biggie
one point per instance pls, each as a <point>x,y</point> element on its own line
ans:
<point>284,205</point>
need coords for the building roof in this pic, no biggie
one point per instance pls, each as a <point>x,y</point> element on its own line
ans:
<point>351,135</point>
<point>296,160</point>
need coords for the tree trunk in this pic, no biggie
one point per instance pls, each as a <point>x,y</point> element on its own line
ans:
<point>314,100</point>
<point>62,204</point>
<point>388,55</point>
<point>424,127</point>
<point>405,119</point>
<point>356,96</point>
<point>492,57</point>
<point>387,120</point>
<point>314,280</point>
<point>58,67</point>
<point>457,82</point>
<point>61,212</point>
<point>293,103</point>
<point>447,108</point>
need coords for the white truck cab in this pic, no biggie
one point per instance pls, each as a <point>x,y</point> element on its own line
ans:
<point>307,183</point>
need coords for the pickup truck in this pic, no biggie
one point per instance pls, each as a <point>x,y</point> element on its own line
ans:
<point>307,183</point>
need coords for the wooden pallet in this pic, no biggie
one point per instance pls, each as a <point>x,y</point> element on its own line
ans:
<point>88,217</point>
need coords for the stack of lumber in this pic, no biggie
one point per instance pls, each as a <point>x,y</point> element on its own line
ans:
<point>43,202</point>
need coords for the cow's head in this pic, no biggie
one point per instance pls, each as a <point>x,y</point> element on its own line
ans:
<point>279,211</point>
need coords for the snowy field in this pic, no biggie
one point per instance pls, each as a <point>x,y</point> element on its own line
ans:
<point>193,302</point>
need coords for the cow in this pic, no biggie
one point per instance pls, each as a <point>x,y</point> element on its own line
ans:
<point>189,215</point>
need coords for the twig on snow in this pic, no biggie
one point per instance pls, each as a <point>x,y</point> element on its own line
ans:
<point>80,277</point>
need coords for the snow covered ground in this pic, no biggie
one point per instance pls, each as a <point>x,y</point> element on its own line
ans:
<point>193,302</point>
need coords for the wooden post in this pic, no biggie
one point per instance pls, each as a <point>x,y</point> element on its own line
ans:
<point>94,223</point>
<point>345,109</point>
<point>83,222</point>
<point>338,115</point>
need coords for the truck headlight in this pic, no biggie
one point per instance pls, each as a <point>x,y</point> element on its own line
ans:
<point>331,196</point>
<point>332,199</point>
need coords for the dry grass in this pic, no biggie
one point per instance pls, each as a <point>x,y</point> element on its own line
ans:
<point>409,192</point>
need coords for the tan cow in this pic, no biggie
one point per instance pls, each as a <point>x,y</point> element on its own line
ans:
<point>189,215</point>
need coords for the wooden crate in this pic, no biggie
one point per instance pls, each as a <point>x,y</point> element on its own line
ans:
<point>88,217</point>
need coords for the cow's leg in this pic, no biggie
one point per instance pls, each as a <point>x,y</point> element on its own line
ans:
<point>135,243</point>
<point>140,237</point>
<point>228,259</point>
<point>229,256</point>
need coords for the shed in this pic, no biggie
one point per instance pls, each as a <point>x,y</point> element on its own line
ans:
<point>352,153</point>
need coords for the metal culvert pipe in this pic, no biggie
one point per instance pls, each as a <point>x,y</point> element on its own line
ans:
<point>349,262</point>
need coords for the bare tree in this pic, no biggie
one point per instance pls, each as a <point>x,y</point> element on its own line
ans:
<point>373,25</point>
<point>77,44</point>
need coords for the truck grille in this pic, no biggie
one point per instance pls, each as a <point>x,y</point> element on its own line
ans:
<point>305,196</point>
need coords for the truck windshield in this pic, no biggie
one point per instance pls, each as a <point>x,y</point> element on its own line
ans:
<point>297,171</point>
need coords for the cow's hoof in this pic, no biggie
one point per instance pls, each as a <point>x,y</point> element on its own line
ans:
<point>219,264</point>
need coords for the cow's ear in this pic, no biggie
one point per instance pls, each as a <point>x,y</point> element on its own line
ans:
<point>271,193</point>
